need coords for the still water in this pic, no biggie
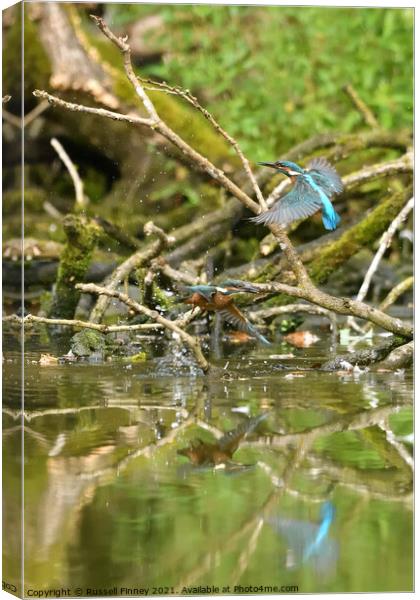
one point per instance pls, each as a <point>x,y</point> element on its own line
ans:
<point>317,493</point>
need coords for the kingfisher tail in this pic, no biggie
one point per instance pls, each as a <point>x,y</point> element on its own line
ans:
<point>330,218</point>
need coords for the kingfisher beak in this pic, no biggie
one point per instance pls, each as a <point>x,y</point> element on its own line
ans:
<point>267,164</point>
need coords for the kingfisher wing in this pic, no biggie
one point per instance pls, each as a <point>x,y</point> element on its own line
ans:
<point>325,175</point>
<point>301,202</point>
<point>233,315</point>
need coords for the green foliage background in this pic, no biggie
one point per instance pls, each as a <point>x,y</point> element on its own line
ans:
<point>274,75</point>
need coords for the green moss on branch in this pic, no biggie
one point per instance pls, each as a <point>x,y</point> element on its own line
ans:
<point>82,235</point>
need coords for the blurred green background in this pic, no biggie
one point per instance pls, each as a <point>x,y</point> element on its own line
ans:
<point>276,73</point>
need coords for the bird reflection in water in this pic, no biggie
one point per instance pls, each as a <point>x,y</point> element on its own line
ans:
<point>220,453</point>
<point>308,543</point>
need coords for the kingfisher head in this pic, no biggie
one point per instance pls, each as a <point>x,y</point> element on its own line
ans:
<point>286,167</point>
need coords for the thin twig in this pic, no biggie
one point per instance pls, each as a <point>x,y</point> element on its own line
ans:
<point>101,112</point>
<point>51,210</point>
<point>186,94</point>
<point>383,245</point>
<point>151,229</point>
<point>390,299</point>
<point>35,112</point>
<point>88,325</point>
<point>27,119</point>
<point>159,264</point>
<point>396,292</point>
<point>361,106</point>
<point>77,182</point>
<point>11,119</point>
<point>404,164</point>
<point>159,125</point>
<point>190,341</point>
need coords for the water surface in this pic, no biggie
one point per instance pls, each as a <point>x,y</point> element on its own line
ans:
<point>318,495</point>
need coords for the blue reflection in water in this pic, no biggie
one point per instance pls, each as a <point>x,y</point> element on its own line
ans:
<point>308,543</point>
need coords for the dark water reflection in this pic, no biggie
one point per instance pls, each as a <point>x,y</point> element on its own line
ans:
<point>317,495</point>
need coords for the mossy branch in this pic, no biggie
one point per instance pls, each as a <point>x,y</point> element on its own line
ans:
<point>82,235</point>
<point>365,232</point>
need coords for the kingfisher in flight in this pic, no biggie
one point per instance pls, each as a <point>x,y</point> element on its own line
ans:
<point>218,298</point>
<point>312,190</point>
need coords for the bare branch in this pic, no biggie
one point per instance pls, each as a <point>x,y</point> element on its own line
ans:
<point>151,229</point>
<point>396,292</point>
<point>343,306</point>
<point>157,124</point>
<point>159,264</point>
<point>268,313</point>
<point>200,161</point>
<point>404,164</point>
<point>81,200</point>
<point>101,112</point>
<point>11,119</point>
<point>35,112</point>
<point>121,43</point>
<point>88,325</point>
<point>27,119</point>
<point>399,358</point>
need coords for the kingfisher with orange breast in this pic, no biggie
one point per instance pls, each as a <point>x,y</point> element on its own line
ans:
<point>218,298</point>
